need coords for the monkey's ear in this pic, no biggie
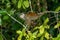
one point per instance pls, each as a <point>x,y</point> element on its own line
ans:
<point>22,16</point>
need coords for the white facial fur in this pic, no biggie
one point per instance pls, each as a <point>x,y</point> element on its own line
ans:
<point>22,15</point>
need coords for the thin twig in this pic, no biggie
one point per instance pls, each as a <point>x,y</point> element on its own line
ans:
<point>50,12</point>
<point>53,22</point>
<point>57,22</point>
<point>38,4</point>
<point>41,13</point>
<point>51,17</point>
<point>30,5</point>
<point>45,4</point>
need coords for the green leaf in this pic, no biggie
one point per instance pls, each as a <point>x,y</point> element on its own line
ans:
<point>3,1</point>
<point>14,1</point>
<point>41,29</point>
<point>36,28</point>
<point>46,21</point>
<point>57,9</point>
<point>56,38</point>
<point>11,12</point>
<point>6,17</point>
<point>57,25</point>
<point>18,32</point>
<point>47,26</point>
<point>19,3</point>
<point>3,12</point>
<point>19,37</point>
<point>24,7</point>
<point>8,5</point>
<point>26,4</point>
<point>42,38</point>
<point>23,32</point>
<point>1,38</point>
<point>35,34</point>
<point>47,35</point>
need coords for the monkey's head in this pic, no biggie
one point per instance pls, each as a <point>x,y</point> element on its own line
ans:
<point>30,18</point>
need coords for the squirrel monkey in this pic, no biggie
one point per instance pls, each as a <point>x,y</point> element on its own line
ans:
<point>30,18</point>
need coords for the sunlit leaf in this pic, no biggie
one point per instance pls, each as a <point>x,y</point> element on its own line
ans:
<point>41,29</point>
<point>29,33</point>
<point>57,25</point>
<point>46,21</point>
<point>26,4</point>
<point>36,28</point>
<point>58,35</point>
<point>19,3</point>
<point>47,26</point>
<point>19,38</point>
<point>42,38</point>
<point>24,7</point>
<point>56,38</point>
<point>23,32</point>
<point>35,34</point>
<point>8,5</point>
<point>47,35</point>
<point>57,9</point>
<point>18,32</point>
<point>3,1</point>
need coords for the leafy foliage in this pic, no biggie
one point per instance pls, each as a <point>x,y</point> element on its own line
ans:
<point>12,26</point>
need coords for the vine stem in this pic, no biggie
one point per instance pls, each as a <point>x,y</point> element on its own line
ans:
<point>50,12</point>
<point>16,20</point>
